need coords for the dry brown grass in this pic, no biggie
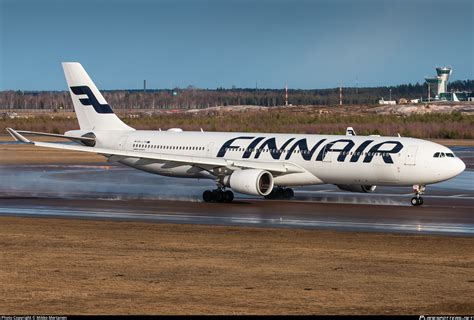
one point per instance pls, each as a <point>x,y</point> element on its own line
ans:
<point>28,154</point>
<point>309,120</point>
<point>87,267</point>
<point>455,142</point>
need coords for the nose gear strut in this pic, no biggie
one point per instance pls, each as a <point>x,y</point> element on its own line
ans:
<point>417,200</point>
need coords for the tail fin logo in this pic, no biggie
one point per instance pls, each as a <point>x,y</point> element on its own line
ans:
<point>91,100</point>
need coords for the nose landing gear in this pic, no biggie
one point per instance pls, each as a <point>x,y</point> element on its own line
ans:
<point>417,200</point>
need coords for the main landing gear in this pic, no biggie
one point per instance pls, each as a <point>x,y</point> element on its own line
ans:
<point>417,200</point>
<point>218,195</point>
<point>280,194</point>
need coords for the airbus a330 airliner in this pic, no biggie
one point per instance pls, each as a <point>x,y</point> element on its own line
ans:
<point>260,164</point>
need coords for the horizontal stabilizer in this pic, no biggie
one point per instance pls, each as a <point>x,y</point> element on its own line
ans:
<point>18,135</point>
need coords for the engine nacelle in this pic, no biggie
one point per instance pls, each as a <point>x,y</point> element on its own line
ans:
<point>356,188</point>
<point>250,181</point>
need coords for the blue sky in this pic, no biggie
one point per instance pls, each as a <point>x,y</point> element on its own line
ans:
<point>212,43</point>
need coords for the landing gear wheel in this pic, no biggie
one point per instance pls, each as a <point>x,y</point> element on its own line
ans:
<point>417,201</point>
<point>207,196</point>
<point>419,190</point>
<point>228,196</point>
<point>288,193</point>
<point>280,194</point>
<point>217,195</point>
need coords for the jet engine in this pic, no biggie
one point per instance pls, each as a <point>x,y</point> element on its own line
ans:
<point>356,188</point>
<point>250,181</point>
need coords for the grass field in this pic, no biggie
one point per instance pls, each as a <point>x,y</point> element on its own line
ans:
<point>29,154</point>
<point>311,120</point>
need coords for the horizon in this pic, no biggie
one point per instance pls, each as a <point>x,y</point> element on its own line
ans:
<point>238,88</point>
<point>209,44</point>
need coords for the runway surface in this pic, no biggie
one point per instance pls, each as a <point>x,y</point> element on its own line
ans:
<point>105,191</point>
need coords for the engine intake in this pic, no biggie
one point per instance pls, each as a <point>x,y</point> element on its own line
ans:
<point>250,181</point>
<point>356,188</point>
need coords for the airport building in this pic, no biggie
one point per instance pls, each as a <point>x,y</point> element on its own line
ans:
<point>438,87</point>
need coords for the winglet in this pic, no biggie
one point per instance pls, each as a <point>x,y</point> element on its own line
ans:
<point>17,136</point>
<point>350,131</point>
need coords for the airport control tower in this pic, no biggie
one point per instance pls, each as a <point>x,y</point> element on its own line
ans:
<point>440,81</point>
<point>443,74</point>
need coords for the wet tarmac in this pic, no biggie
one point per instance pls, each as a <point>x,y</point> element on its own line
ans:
<point>435,219</point>
<point>105,191</point>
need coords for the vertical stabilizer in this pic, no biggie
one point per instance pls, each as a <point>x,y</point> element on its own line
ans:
<point>93,112</point>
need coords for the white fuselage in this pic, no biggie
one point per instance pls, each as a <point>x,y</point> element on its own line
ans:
<point>332,159</point>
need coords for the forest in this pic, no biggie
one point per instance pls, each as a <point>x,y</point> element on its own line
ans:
<point>196,98</point>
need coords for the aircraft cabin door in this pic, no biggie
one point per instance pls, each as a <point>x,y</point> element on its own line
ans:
<point>410,156</point>
<point>210,150</point>
<point>123,142</point>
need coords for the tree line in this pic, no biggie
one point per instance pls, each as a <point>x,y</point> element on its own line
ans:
<point>192,98</point>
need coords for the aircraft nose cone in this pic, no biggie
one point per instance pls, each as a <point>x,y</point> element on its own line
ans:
<point>459,167</point>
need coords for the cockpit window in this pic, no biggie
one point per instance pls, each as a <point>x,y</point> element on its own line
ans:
<point>442,155</point>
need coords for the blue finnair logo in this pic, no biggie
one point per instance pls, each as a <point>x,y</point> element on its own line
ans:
<point>91,100</point>
<point>347,149</point>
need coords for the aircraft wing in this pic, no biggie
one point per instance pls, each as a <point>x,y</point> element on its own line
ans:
<point>205,162</point>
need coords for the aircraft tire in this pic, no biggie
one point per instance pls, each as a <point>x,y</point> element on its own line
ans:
<point>228,196</point>
<point>280,193</point>
<point>417,201</point>
<point>288,193</point>
<point>217,196</point>
<point>207,196</point>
